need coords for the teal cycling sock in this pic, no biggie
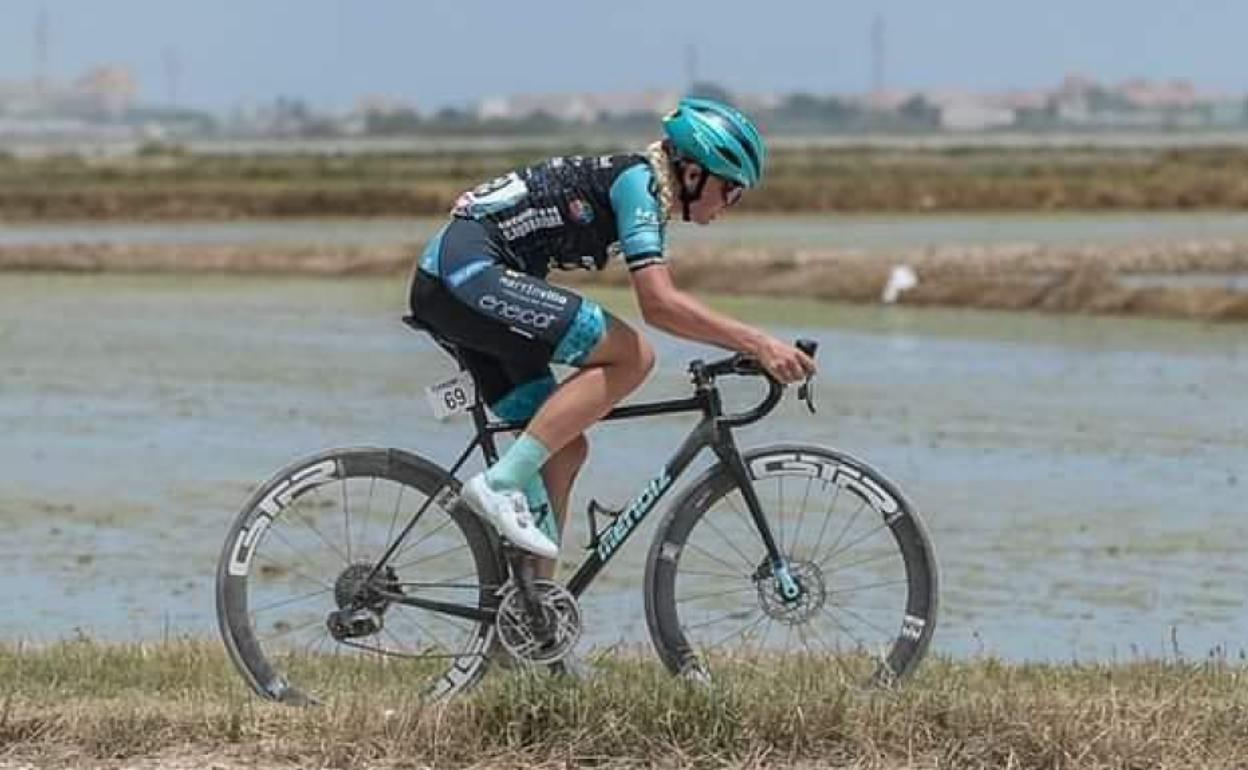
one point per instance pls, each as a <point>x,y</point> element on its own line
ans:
<point>520,463</point>
<point>543,511</point>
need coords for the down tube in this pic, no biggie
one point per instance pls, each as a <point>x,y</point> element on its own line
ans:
<point>613,537</point>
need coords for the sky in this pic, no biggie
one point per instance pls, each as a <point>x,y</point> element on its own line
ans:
<point>435,53</point>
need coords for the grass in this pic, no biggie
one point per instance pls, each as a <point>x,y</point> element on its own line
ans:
<point>81,702</point>
<point>180,185</point>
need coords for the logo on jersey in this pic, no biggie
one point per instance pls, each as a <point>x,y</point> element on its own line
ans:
<point>520,284</point>
<point>507,311</point>
<point>645,217</point>
<point>530,221</point>
<point>581,212</point>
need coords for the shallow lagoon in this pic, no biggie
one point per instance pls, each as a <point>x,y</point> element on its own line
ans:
<point>1083,478</point>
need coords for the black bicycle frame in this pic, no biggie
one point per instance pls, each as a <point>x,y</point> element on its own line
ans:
<point>713,432</point>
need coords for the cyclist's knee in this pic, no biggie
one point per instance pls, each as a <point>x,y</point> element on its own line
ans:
<point>634,353</point>
<point>622,346</point>
<point>646,357</point>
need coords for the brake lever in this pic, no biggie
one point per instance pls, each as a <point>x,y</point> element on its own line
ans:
<point>806,392</point>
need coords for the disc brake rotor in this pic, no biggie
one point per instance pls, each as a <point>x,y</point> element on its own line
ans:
<point>814,594</point>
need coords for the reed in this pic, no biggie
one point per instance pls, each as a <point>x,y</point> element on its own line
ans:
<point>180,185</point>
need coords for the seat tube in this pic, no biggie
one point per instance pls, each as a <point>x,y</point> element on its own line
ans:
<point>489,449</point>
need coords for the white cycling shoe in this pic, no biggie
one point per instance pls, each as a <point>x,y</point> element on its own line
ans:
<point>509,512</point>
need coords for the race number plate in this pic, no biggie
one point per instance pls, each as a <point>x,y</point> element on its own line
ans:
<point>452,397</point>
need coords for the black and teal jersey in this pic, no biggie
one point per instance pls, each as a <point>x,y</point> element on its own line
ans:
<point>571,212</point>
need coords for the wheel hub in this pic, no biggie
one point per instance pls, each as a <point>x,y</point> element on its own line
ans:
<point>361,608</point>
<point>812,593</point>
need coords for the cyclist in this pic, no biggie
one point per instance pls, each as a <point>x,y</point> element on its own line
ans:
<point>481,284</point>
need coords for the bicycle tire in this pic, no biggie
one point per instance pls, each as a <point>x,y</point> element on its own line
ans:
<point>277,656</point>
<point>698,530</point>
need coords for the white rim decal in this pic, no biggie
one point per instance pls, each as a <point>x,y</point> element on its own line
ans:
<point>271,507</point>
<point>797,464</point>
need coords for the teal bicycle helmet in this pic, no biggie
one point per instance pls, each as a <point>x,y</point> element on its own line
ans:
<point>718,138</point>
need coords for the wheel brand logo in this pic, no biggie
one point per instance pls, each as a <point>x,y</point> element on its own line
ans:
<point>466,667</point>
<point>844,476</point>
<point>272,505</point>
<point>506,310</point>
<point>912,628</point>
<point>633,514</point>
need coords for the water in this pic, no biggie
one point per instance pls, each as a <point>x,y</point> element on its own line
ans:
<point>1082,478</point>
<point>870,233</point>
<point>1228,281</point>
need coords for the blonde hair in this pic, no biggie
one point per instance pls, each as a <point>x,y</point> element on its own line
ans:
<point>664,175</point>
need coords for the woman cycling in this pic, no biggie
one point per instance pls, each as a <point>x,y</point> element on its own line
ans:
<point>481,284</point>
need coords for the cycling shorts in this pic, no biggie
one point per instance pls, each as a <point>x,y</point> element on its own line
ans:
<point>509,326</point>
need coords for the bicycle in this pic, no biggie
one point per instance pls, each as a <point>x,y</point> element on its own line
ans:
<point>446,594</point>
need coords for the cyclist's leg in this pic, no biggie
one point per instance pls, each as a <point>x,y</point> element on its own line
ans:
<point>559,474</point>
<point>617,365</point>
<point>520,323</point>
<point>514,391</point>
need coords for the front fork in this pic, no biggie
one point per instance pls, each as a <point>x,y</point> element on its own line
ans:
<point>789,588</point>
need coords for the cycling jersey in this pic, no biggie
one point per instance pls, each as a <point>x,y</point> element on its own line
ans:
<point>571,212</point>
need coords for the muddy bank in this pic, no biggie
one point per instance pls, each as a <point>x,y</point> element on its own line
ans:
<point>1052,278</point>
<point>159,258</point>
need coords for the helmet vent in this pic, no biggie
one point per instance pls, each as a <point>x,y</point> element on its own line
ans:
<point>732,130</point>
<point>729,155</point>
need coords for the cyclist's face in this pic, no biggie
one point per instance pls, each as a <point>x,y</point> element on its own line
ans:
<point>718,195</point>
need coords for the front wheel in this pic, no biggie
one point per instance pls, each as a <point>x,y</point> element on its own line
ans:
<point>854,547</point>
<point>305,612</point>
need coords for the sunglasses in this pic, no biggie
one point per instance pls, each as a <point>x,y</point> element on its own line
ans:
<point>732,192</point>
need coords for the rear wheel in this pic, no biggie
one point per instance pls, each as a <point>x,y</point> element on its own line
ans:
<point>855,548</point>
<point>300,609</point>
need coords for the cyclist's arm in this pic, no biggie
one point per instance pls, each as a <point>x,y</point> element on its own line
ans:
<point>666,307</point>
<point>640,229</point>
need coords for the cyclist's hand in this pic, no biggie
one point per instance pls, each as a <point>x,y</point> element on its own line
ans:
<point>785,362</point>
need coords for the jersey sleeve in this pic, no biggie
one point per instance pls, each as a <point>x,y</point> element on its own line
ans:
<point>638,216</point>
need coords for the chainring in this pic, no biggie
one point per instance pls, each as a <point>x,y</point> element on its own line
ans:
<point>518,631</point>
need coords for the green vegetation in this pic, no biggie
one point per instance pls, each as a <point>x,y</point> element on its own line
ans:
<point>80,702</point>
<point>170,183</point>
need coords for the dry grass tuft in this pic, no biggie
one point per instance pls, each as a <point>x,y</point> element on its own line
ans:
<point>80,703</point>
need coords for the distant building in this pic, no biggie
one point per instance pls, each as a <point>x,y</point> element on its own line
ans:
<point>1177,94</point>
<point>577,108</point>
<point>377,104</point>
<point>887,100</point>
<point>973,115</point>
<point>107,92</point>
